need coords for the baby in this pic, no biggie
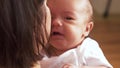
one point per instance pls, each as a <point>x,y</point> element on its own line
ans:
<point>69,41</point>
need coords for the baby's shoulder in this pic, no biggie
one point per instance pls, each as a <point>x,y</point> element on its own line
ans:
<point>88,43</point>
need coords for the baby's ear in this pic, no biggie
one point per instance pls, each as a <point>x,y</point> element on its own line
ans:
<point>89,27</point>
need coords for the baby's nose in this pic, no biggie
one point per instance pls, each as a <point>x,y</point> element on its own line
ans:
<point>56,22</point>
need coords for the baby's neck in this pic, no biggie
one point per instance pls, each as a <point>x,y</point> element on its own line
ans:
<point>54,52</point>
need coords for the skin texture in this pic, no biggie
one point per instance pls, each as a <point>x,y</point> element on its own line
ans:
<point>71,23</point>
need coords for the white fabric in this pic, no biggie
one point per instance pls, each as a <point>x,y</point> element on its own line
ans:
<point>88,54</point>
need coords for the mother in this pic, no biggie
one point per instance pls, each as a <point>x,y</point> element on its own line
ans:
<point>22,32</point>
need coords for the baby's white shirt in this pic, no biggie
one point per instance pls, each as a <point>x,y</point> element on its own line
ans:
<point>88,53</point>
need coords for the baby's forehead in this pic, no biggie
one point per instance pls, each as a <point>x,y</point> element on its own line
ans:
<point>82,5</point>
<point>86,5</point>
<point>82,2</point>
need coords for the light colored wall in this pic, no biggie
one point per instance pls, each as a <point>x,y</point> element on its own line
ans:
<point>99,6</point>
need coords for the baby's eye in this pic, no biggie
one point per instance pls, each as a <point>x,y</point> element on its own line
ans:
<point>68,18</point>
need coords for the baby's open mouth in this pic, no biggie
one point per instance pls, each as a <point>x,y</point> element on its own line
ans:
<point>56,33</point>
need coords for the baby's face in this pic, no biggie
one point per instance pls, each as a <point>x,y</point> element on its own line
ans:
<point>69,22</point>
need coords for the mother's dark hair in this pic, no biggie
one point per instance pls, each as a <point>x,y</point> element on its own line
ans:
<point>21,27</point>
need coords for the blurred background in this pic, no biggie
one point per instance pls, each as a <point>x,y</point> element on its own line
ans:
<point>107,28</point>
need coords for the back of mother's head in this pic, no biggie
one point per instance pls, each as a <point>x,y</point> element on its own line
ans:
<point>22,23</point>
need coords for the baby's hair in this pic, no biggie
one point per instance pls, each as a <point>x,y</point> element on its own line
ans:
<point>90,10</point>
<point>91,16</point>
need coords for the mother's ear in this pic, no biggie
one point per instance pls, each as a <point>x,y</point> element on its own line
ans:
<point>89,27</point>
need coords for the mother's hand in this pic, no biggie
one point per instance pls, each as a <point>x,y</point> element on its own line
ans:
<point>74,66</point>
<point>69,66</point>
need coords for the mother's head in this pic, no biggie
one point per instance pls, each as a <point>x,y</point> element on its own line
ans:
<point>24,26</point>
